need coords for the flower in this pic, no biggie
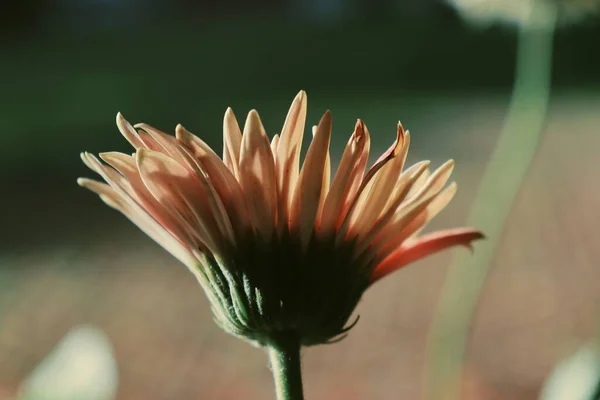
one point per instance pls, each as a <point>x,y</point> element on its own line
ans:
<point>521,11</point>
<point>279,249</point>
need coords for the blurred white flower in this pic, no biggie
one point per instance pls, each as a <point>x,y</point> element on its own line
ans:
<point>81,367</point>
<point>484,12</point>
<point>575,378</point>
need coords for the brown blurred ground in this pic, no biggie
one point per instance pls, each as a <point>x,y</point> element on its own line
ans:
<point>542,297</point>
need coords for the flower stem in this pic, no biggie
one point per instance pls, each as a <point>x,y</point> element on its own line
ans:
<point>504,175</point>
<point>284,357</point>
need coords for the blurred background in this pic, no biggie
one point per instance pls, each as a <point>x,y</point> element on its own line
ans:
<point>68,66</point>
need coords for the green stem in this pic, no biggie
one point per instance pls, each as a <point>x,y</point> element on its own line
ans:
<point>284,357</point>
<point>500,185</point>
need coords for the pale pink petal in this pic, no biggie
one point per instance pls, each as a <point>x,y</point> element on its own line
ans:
<point>435,207</point>
<point>418,185</point>
<point>101,189</point>
<point>162,142</point>
<point>123,163</point>
<point>281,219</point>
<point>347,178</point>
<point>139,138</point>
<point>308,193</point>
<point>141,202</point>
<point>232,142</point>
<point>404,187</point>
<point>168,145</point>
<point>288,153</point>
<point>129,132</point>
<point>375,200</point>
<point>149,138</point>
<point>387,180</point>
<point>127,167</point>
<point>361,196</point>
<point>388,155</point>
<point>407,219</point>
<point>224,182</point>
<point>324,189</point>
<point>414,219</point>
<point>257,173</point>
<point>325,184</point>
<point>424,246</point>
<point>201,150</point>
<point>274,144</point>
<point>436,182</point>
<point>143,220</point>
<point>366,237</point>
<point>358,173</point>
<point>173,185</point>
<point>225,210</point>
<point>125,181</point>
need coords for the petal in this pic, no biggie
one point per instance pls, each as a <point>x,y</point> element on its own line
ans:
<point>308,194</point>
<point>126,166</point>
<point>142,220</point>
<point>383,186</point>
<point>257,173</point>
<point>178,189</point>
<point>437,181</point>
<point>433,209</point>
<point>281,219</point>
<point>359,200</point>
<point>232,142</point>
<point>149,138</point>
<point>288,153</point>
<point>106,192</point>
<point>134,192</point>
<point>123,163</point>
<point>160,141</point>
<point>274,143</point>
<point>226,210</point>
<point>403,187</point>
<point>324,186</point>
<point>388,155</point>
<point>412,223</point>
<point>167,233</point>
<point>127,184</point>
<point>225,183</point>
<point>346,180</point>
<point>200,149</point>
<point>129,132</point>
<point>139,139</point>
<point>325,182</point>
<point>408,177</point>
<point>418,185</point>
<point>424,246</point>
<point>410,216</point>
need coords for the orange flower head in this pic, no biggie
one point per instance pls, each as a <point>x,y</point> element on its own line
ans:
<point>279,249</point>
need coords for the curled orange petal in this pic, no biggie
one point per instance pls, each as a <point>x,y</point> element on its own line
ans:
<point>424,246</point>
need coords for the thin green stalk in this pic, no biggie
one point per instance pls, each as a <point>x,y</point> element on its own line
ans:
<point>501,182</point>
<point>284,357</point>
